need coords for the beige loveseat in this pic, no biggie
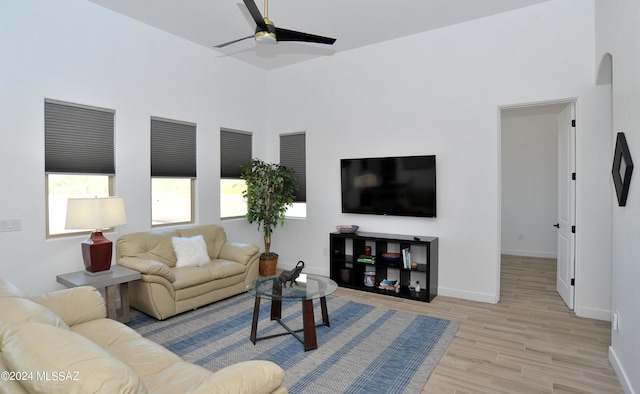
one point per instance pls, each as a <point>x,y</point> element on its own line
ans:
<point>167,289</point>
<point>62,342</point>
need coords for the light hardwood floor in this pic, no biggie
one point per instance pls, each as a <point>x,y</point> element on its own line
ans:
<point>529,342</point>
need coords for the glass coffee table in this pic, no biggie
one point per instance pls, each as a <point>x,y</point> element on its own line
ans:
<point>308,289</point>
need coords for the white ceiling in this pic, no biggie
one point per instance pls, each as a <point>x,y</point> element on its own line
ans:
<point>354,23</point>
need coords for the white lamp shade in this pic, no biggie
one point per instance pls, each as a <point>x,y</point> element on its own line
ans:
<point>95,213</point>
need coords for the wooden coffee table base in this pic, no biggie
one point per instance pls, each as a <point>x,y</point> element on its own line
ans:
<point>308,322</point>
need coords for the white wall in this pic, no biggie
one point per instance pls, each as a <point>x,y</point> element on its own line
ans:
<point>76,51</point>
<point>618,32</point>
<point>529,183</point>
<point>439,93</point>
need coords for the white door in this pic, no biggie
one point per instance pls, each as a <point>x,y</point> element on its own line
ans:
<point>566,205</point>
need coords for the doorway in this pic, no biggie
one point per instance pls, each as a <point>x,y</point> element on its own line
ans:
<point>537,190</point>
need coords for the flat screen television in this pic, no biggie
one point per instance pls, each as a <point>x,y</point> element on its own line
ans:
<point>400,186</point>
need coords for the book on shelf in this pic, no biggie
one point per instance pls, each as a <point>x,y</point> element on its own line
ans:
<point>406,258</point>
<point>366,259</point>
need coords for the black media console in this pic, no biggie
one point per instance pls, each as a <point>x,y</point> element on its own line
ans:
<point>346,271</point>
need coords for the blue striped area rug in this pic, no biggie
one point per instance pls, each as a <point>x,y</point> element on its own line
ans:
<point>367,349</point>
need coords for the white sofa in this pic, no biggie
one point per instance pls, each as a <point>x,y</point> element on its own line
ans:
<point>62,342</point>
<point>166,288</point>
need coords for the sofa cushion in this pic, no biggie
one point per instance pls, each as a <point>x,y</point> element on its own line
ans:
<point>105,332</point>
<point>191,276</point>
<point>181,377</point>
<point>150,245</point>
<point>213,235</point>
<point>240,252</point>
<point>143,356</point>
<point>74,305</point>
<point>79,365</point>
<point>8,289</point>
<point>265,377</point>
<point>224,268</point>
<point>15,310</point>
<point>148,267</point>
<point>190,251</point>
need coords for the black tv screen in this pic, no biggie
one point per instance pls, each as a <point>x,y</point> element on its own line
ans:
<point>400,186</point>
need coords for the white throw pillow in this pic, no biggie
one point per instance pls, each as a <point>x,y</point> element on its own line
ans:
<point>191,252</point>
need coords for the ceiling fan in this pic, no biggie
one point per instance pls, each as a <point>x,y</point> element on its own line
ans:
<point>266,32</point>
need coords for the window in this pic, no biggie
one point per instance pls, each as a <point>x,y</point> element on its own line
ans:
<point>293,155</point>
<point>173,171</point>
<point>235,149</point>
<point>79,157</point>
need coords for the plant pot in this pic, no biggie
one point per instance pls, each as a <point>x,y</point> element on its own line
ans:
<point>267,266</point>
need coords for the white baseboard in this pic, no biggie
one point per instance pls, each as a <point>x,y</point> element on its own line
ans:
<point>622,376</point>
<point>468,295</point>
<point>592,313</point>
<point>286,266</point>
<point>529,253</point>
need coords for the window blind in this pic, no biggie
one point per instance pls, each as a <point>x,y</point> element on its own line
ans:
<point>78,139</point>
<point>173,148</point>
<point>235,150</point>
<point>293,155</point>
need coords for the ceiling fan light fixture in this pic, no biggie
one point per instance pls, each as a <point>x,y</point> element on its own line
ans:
<point>265,37</point>
<point>267,33</point>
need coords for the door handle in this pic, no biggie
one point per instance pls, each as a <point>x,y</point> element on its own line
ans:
<point>557,225</point>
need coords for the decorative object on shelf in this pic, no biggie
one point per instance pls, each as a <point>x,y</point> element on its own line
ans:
<point>366,259</point>
<point>370,279</point>
<point>292,275</point>
<point>345,275</point>
<point>387,284</point>
<point>392,259</point>
<point>622,162</point>
<point>271,189</point>
<point>347,228</point>
<point>96,213</point>
<point>414,265</point>
<point>367,250</point>
<point>417,288</point>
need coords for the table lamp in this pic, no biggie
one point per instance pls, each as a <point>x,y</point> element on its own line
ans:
<point>96,213</point>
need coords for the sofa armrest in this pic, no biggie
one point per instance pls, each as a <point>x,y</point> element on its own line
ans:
<point>75,305</point>
<point>240,252</point>
<point>255,377</point>
<point>148,267</point>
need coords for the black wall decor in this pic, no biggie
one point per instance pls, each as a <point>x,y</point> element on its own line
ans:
<point>622,162</point>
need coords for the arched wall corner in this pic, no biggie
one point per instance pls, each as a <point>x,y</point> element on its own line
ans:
<point>604,74</point>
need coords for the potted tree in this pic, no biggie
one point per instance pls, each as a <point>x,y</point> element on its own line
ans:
<point>271,189</point>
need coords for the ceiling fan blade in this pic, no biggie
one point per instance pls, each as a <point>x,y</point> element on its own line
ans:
<point>233,42</point>
<point>290,35</point>
<point>255,13</point>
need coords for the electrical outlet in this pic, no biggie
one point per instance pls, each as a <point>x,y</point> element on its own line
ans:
<point>11,225</point>
<point>615,321</point>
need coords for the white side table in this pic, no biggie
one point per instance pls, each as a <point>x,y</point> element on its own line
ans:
<point>117,276</point>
